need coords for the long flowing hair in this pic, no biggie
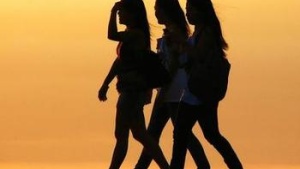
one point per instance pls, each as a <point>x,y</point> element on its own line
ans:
<point>209,18</point>
<point>138,10</point>
<point>175,14</point>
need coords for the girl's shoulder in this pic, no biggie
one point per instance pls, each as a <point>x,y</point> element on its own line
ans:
<point>177,34</point>
<point>132,34</point>
<point>204,37</point>
<point>205,31</point>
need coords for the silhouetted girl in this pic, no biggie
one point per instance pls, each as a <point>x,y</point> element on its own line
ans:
<point>207,43</point>
<point>171,49</point>
<point>134,43</point>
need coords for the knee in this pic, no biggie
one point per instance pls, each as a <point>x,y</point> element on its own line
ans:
<point>123,142</point>
<point>180,136</point>
<point>177,135</point>
<point>213,138</point>
<point>121,136</point>
<point>193,139</point>
<point>138,135</point>
<point>155,134</point>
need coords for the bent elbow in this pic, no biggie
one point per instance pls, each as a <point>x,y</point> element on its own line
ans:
<point>112,37</point>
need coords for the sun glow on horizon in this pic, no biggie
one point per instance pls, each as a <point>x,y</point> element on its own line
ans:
<point>55,54</point>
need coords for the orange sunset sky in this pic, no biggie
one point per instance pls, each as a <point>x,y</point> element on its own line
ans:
<point>54,55</point>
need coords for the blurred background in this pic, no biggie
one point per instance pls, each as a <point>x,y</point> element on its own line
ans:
<point>54,55</point>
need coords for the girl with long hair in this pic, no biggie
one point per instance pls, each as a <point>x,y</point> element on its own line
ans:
<point>134,43</point>
<point>171,50</point>
<point>207,43</point>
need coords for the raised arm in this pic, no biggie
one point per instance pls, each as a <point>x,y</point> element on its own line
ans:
<point>112,25</point>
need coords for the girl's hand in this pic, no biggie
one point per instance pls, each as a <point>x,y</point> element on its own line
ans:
<point>116,7</point>
<point>102,93</point>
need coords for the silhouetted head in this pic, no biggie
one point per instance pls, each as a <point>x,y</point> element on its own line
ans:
<point>170,12</point>
<point>133,14</point>
<point>202,12</point>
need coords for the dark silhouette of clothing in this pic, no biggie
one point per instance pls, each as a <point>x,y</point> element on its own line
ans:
<point>159,117</point>
<point>168,98</point>
<point>206,116</point>
<point>133,44</point>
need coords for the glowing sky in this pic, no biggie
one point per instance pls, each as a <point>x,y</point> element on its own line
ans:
<point>55,54</point>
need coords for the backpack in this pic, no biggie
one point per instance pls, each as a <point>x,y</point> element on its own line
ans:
<point>209,80</point>
<point>154,72</point>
